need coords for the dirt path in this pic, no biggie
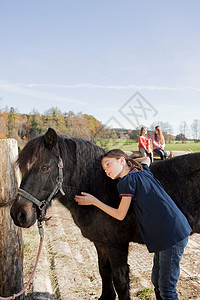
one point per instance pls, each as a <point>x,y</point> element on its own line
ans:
<point>68,268</point>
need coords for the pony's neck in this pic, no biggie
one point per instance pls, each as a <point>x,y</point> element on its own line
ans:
<point>81,166</point>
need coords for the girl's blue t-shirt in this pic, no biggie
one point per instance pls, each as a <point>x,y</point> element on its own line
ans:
<point>161,222</point>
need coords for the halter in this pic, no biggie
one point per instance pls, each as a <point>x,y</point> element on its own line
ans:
<point>42,205</point>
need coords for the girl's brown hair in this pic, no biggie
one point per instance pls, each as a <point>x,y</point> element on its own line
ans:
<point>159,134</point>
<point>142,130</point>
<point>117,153</point>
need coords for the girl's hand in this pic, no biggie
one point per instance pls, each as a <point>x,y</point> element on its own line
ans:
<point>85,199</point>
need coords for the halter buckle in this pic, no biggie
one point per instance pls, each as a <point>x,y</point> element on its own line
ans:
<point>42,205</point>
<point>60,163</point>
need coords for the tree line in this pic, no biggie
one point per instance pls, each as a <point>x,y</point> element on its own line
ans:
<point>23,126</point>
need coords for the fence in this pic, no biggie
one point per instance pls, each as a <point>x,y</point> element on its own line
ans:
<point>11,242</point>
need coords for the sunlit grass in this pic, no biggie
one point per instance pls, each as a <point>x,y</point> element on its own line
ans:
<point>146,294</point>
<point>183,146</point>
<point>130,145</point>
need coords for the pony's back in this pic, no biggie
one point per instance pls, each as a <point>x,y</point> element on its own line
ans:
<point>180,177</point>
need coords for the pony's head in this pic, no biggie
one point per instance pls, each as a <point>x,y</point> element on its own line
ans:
<point>41,168</point>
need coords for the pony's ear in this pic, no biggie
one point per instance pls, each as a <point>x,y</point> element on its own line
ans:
<point>51,138</point>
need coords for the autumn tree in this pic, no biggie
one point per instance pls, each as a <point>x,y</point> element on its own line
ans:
<point>3,125</point>
<point>54,118</point>
<point>11,122</point>
<point>77,125</point>
<point>35,121</point>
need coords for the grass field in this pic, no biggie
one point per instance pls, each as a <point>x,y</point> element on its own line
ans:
<point>130,145</point>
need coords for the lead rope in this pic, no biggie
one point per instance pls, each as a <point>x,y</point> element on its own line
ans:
<point>41,232</point>
<point>40,227</point>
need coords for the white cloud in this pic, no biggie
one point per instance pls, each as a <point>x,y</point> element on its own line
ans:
<point>101,86</point>
<point>25,89</point>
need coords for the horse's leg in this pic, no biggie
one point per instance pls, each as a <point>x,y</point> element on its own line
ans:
<point>105,271</point>
<point>120,270</point>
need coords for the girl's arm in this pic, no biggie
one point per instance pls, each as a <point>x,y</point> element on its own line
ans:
<point>163,142</point>
<point>155,143</point>
<point>117,213</point>
<point>143,160</point>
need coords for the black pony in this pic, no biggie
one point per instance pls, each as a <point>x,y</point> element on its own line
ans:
<point>39,161</point>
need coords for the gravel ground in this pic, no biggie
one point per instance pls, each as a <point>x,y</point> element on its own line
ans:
<point>68,268</point>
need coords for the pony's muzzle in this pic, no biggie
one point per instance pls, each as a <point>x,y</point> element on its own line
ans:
<point>22,218</point>
<point>23,215</point>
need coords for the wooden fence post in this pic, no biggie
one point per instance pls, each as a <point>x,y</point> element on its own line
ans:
<point>11,242</point>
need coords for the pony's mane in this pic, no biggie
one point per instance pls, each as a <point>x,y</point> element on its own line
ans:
<point>31,154</point>
<point>85,162</point>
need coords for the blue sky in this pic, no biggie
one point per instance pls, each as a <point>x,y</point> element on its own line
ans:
<point>97,57</point>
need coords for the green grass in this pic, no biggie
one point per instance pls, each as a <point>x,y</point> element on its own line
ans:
<point>123,144</point>
<point>130,145</point>
<point>146,294</point>
<point>183,146</point>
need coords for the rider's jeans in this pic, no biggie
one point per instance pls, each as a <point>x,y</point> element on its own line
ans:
<point>166,270</point>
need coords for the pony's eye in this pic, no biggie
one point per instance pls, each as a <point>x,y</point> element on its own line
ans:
<point>45,169</point>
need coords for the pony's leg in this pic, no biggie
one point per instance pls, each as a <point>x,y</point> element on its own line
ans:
<point>120,270</point>
<point>105,271</point>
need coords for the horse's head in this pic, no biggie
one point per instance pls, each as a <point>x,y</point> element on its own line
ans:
<point>41,168</point>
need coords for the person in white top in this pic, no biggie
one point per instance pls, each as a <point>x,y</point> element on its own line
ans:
<point>158,142</point>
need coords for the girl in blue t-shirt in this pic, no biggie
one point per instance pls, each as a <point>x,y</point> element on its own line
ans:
<point>164,228</point>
